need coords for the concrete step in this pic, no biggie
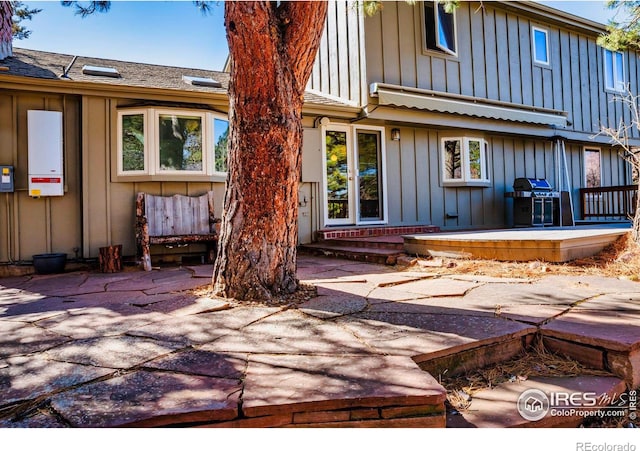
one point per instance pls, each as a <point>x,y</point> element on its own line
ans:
<point>542,402</point>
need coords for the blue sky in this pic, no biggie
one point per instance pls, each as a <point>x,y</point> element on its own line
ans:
<point>171,33</point>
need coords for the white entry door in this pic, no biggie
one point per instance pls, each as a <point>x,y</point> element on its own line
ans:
<point>354,175</point>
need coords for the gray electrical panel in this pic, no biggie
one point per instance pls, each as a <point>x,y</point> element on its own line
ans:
<point>6,179</point>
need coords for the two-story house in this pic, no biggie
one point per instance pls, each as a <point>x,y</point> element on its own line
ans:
<point>466,103</point>
<point>414,117</point>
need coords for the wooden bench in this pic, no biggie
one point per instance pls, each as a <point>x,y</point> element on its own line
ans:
<point>174,221</point>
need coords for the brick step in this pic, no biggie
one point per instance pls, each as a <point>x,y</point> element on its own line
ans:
<point>364,232</point>
<point>362,254</point>
<point>394,242</point>
<point>498,407</point>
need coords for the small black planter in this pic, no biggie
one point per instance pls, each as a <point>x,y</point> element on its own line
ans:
<point>49,263</point>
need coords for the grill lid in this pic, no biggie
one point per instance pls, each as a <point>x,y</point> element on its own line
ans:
<point>528,184</point>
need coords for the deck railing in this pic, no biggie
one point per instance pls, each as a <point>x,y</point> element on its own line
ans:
<point>611,202</point>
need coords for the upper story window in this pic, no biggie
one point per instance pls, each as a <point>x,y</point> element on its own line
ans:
<point>440,28</point>
<point>614,78</point>
<point>155,141</point>
<point>540,41</point>
<point>464,161</point>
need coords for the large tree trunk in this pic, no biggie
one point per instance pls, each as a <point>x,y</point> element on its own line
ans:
<point>272,50</point>
<point>6,30</point>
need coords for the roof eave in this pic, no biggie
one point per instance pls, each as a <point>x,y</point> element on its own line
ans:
<point>124,91</point>
<point>81,87</point>
<point>548,13</point>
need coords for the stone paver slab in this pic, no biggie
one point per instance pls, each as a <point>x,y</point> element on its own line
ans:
<point>333,306</point>
<point>149,399</point>
<point>294,383</point>
<point>28,377</point>
<point>203,328</point>
<point>102,298</point>
<point>387,294</point>
<point>497,408</point>
<point>454,305</point>
<point>489,279</point>
<point>383,279</point>
<point>56,284</point>
<point>362,289</point>
<point>179,285</point>
<point>203,363</point>
<point>14,282</point>
<point>111,352</point>
<point>366,268</point>
<point>10,296</point>
<point>100,321</point>
<point>201,271</point>
<point>17,338</point>
<point>437,287</point>
<point>323,273</point>
<point>618,331</point>
<point>554,292</point>
<point>598,284</point>
<point>35,310</point>
<point>290,332</point>
<point>430,335</point>
<point>39,421</point>
<point>149,280</point>
<point>181,304</point>
<point>618,302</point>
<point>532,314</point>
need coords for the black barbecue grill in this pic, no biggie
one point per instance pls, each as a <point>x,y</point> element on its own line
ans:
<point>534,202</point>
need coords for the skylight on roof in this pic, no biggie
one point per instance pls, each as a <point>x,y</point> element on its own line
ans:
<point>201,81</point>
<point>101,71</point>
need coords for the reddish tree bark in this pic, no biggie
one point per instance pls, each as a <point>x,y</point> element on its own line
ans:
<point>272,50</point>
<point>6,30</point>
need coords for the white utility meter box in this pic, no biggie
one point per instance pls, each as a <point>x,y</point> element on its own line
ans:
<point>46,176</point>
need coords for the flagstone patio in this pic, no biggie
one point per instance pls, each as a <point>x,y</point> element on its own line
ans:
<point>86,349</point>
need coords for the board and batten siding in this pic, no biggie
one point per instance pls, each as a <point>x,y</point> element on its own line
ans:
<point>109,206</point>
<point>495,62</point>
<point>614,170</point>
<point>417,196</point>
<point>339,69</point>
<point>29,225</point>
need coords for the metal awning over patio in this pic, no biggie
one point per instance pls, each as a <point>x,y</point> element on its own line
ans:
<point>434,101</point>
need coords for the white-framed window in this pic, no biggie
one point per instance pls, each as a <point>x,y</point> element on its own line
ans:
<point>220,143</point>
<point>614,73</point>
<point>180,145</point>
<point>464,161</point>
<point>592,167</point>
<point>172,142</point>
<point>132,142</point>
<point>540,44</point>
<point>440,32</point>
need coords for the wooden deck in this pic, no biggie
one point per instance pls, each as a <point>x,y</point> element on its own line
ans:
<point>552,244</point>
